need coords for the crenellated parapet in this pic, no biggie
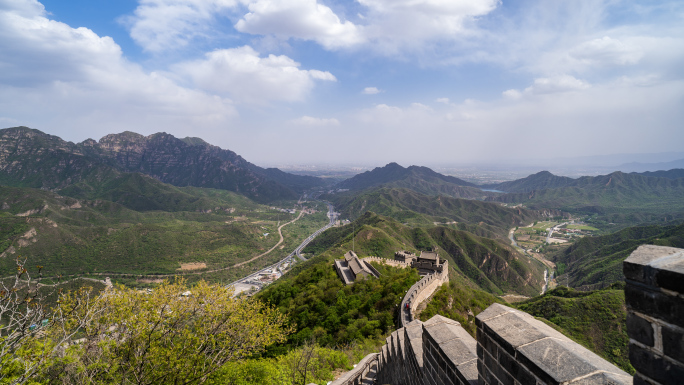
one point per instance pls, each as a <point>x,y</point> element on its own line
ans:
<point>512,347</point>
<point>515,348</point>
<point>419,292</point>
<point>655,314</point>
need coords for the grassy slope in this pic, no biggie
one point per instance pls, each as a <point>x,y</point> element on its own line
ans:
<point>595,319</point>
<point>598,260</point>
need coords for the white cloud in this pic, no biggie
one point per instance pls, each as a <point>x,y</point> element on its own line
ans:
<point>390,115</point>
<point>512,94</point>
<point>26,8</point>
<point>385,24</point>
<point>556,84</point>
<point>442,100</point>
<point>311,121</point>
<point>299,19</point>
<point>399,24</point>
<point>57,75</point>
<point>243,74</point>
<point>159,25</point>
<point>548,125</point>
<point>607,51</point>
<point>370,91</point>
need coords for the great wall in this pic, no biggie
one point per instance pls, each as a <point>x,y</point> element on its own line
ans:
<point>514,348</point>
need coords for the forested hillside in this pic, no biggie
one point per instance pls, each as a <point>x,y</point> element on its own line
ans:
<point>487,219</point>
<point>618,198</point>
<point>598,260</point>
<point>493,265</point>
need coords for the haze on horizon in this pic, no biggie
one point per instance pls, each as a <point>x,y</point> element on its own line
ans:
<point>365,82</point>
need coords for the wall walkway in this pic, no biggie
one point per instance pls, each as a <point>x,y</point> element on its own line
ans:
<point>514,348</point>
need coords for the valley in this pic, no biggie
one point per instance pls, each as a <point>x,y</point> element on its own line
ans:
<point>142,211</point>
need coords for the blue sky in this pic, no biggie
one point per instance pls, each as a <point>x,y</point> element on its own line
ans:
<point>365,81</point>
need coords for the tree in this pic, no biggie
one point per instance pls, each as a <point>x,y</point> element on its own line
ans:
<point>30,333</point>
<point>171,335</point>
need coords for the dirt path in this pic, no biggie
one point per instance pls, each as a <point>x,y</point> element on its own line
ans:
<point>280,232</point>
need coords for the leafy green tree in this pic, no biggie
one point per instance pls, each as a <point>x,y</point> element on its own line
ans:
<point>172,335</point>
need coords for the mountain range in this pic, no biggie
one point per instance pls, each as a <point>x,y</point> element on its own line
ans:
<point>31,158</point>
<point>420,179</point>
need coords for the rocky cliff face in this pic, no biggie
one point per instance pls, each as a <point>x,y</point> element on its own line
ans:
<point>34,159</point>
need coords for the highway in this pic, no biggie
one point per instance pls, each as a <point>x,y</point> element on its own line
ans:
<point>332,216</point>
<point>253,279</point>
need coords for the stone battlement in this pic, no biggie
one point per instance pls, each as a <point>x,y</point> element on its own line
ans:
<point>419,292</point>
<point>512,347</point>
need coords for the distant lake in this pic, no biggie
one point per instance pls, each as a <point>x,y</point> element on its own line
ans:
<point>490,190</point>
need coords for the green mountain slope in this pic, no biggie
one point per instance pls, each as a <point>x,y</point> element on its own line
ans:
<point>539,181</point>
<point>595,319</point>
<point>140,192</point>
<point>79,236</point>
<point>482,218</point>
<point>420,179</point>
<point>492,265</point>
<point>675,173</point>
<point>625,197</point>
<point>598,260</point>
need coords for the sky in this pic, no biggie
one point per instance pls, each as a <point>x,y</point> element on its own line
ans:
<point>364,81</point>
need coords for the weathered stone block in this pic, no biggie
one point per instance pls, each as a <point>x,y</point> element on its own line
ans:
<point>528,348</point>
<point>511,328</point>
<point>604,378</point>
<point>658,266</point>
<point>673,343</point>
<point>640,329</point>
<point>656,304</point>
<point>655,367</point>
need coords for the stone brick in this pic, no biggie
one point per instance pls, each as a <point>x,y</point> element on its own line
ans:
<point>604,378</point>
<point>562,360</point>
<point>518,372</point>
<point>657,305</point>
<point>486,374</point>
<point>489,345</point>
<point>673,343</point>
<point>493,311</point>
<point>640,329</point>
<point>656,266</point>
<point>639,380</point>
<point>655,367</point>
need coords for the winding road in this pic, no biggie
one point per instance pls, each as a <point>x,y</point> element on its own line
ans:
<point>252,279</point>
<point>280,232</point>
